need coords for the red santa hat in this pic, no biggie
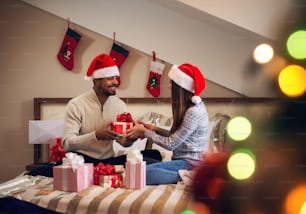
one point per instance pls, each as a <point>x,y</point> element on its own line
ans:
<point>102,66</point>
<point>190,78</point>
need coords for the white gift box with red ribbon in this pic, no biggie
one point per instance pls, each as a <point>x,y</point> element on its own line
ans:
<point>121,127</point>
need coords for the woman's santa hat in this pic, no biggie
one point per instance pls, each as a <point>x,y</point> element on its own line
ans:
<point>190,78</point>
<point>102,66</point>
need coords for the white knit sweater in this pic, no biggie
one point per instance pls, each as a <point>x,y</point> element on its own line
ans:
<point>84,115</point>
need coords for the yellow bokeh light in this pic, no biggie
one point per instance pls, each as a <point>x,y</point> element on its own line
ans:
<point>263,53</point>
<point>292,80</point>
<point>239,128</point>
<point>296,200</point>
<point>241,164</point>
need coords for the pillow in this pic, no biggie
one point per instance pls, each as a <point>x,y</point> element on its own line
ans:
<point>218,136</point>
<point>156,119</point>
<point>139,144</point>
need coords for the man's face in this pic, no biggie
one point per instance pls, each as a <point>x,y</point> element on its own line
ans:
<point>106,86</point>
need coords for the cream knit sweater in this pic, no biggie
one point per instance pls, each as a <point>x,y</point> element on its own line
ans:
<point>84,115</point>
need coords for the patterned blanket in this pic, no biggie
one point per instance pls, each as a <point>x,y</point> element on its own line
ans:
<point>96,199</point>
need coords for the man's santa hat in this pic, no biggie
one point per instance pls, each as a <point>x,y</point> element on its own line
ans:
<point>102,66</point>
<point>190,78</point>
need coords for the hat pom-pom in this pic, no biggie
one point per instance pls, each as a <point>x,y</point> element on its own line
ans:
<point>196,99</point>
<point>87,78</point>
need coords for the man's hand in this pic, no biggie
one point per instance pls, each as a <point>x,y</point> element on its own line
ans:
<point>105,133</point>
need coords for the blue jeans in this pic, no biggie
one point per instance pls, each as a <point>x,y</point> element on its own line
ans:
<point>165,172</point>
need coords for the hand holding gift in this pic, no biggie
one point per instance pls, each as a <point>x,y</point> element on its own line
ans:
<point>123,123</point>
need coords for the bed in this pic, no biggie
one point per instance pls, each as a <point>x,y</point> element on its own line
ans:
<point>174,198</point>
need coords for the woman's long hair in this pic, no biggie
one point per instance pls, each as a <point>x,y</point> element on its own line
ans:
<point>181,101</point>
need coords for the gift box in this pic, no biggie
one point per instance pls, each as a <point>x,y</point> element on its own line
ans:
<point>69,180</point>
<point>123,122</point>
<point>114,180</point>
<point>121,127</point>
<point>135,171</point>
<point>73,175</point>
<point>107,175</point>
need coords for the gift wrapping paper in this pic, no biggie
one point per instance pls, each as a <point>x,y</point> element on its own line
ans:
<point>135,175</point>
<point>122,127</point>
<point>66,179</point>
<point>115,180</point>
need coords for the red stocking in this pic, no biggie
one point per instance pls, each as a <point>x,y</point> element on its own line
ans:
<point>119,54</point>
<point>153,84</point>
<point>65,54</point>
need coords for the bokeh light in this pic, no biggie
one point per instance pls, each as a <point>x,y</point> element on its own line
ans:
<point>292,80</point>
<point>241,164</point>
<point>296,44</point>
<point>239,128</point>
<point>296,200</point>
<point>188,212</point>
<point>263,53</point>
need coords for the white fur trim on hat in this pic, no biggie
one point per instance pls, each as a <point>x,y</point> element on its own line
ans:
<point>181,78</point>
<point>106,72</point>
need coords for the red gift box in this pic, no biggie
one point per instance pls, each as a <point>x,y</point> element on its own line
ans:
<point>69,180</point>
<point>135,175</point>
<point>121,127</point>
<point>108,175</point>
<point>123,122</point>
<point>114,180</point>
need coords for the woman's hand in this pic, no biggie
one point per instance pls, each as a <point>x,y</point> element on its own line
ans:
<point>137,131</point>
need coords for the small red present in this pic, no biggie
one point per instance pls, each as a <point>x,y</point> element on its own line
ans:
<point>123,123</point>
<point>108,176</point>
<point>57,151</point>
<point>114,180</point>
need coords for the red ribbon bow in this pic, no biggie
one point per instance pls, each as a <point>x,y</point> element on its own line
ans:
<point>57,151</point>
<point>124,117</point>
<point>102,169</point>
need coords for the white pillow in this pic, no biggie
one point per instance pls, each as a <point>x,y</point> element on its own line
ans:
<point>139,144</point>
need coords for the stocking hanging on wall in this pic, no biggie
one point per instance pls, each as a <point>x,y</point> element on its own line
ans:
<point>119,54</point>
<point>156,70</point>
<point>66,52</point>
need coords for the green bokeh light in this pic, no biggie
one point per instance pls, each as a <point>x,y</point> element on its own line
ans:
<point>188,212</point>
<point>239,128</point>
<point>296,44</point>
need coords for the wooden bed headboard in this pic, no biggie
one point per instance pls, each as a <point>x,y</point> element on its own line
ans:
<point>53,108</point>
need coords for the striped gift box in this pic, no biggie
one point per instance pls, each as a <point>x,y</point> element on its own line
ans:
<point>135,175</point>
<point>66,179</point>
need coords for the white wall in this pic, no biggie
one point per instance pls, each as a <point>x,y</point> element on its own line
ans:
<point>223,52</point>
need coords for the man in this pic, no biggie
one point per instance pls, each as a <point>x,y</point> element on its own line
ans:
<point>87,122</point>
<point>88,118</point>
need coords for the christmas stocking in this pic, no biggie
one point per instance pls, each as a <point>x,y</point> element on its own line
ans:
<point>65,54</point>
<point>153,84</point>
<point>119,54</point>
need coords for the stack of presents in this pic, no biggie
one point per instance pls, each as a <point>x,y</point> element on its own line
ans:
<point>74,175</point>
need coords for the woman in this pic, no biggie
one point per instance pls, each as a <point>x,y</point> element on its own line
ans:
<point>188,137</point>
